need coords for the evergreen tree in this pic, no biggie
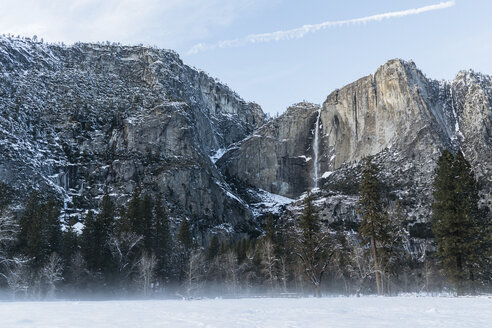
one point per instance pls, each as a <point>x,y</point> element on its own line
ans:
<point>314,245</point>
<point>70,246</point>
<point>184,235</point>
<point>184,249</point>
<point>309,222</point>
<point>275,235</point>
<point>459,225</point>
<point>31,241</point>
<point>5,196</point>
<point>214,247</point>
<point>477,244</point>
<point>40,232</point>
<point>162,239</point>
<point>270,228</point>
<point>131,221</point>
<point>374,219</point>
<point>91,241</point>
<point>240,248</point>
<point>52,227</point>
<point>145,225</point>
<point>96,236</point>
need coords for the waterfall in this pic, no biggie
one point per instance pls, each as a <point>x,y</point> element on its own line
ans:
<point>316,150</point>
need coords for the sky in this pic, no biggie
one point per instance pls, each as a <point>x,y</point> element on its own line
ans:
<point>276,52</point>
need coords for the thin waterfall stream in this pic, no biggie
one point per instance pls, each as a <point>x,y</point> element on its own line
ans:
<point>316,150</point>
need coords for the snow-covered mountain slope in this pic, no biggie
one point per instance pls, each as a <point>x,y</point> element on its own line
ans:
<point>87,119</point>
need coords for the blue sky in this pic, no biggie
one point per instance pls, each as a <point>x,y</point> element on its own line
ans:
<point>275,74</point>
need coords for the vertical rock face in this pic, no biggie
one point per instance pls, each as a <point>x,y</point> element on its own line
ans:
<point>390,108</point>
<point>396,107</point>
<point>397,115</point>
<point>472,102</point>
<point>91,118</point>
<point>279,156</point>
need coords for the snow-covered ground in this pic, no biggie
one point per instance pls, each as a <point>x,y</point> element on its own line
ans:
<point>261,312</point>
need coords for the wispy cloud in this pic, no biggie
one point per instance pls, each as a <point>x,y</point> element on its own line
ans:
<point>300,32</point>
<point>169,23</point>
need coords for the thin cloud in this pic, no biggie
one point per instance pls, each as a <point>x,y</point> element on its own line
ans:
<point>300,32</point>
<point>167,24</point>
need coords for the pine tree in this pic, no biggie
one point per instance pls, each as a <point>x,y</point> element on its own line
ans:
<point>131,221</point>
<point>459,224</point>
<point>477,242</point>
<point>96,236</point>
<point>162,239</point>
<point>314,245</point>
<point>40,232</point>
<point>70,243</point>
<point>52,226</point>
<point>240,250</point>
<point>374,219</point>
<point>145,226</point>
<point>31,241</point>
<point>70,248</point>
<point>89,240</point>
<point>270,228</point>
<point>184,235</point>
<point>213,248</point>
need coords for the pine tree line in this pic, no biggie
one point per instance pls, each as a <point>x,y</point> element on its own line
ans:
<point>133,249</point>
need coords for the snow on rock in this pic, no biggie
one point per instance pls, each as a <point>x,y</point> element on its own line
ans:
<point>326,174</point>
<point>269,203</point>
<point>218,154</point>
<point>82,120</point>
<point>307,159</point>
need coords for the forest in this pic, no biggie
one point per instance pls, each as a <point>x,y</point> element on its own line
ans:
<point>138,250</point>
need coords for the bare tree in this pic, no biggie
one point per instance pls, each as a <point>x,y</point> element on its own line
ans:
<point>18,278</point>
<point>431,279</point>
<point>8,231</point>
<point>360,266</point>
<point>247,270</point>
<point>123,247</point>
<point>231,271</point>
<point>269,263</point>
<point>78,274</point>
<point>194,273</point>
<point>284,273</point>
<point>52,273</point>
<point>146,269</point>
<point>299,276</point>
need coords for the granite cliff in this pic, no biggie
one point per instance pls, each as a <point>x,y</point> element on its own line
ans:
<point>398,116</point>
<point>89,119</point>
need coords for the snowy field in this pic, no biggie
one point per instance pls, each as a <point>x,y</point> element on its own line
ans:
<point>306,312</point>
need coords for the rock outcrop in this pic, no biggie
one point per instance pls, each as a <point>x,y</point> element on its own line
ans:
<point>397,115</point>
<point>279,156</point>
<point>88,119</point>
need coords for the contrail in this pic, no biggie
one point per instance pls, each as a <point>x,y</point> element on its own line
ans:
<point>300,32</point>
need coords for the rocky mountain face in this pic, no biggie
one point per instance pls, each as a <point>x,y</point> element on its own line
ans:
<point>397,115</point>
<point>278,157</point>
<point>88,119</point>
